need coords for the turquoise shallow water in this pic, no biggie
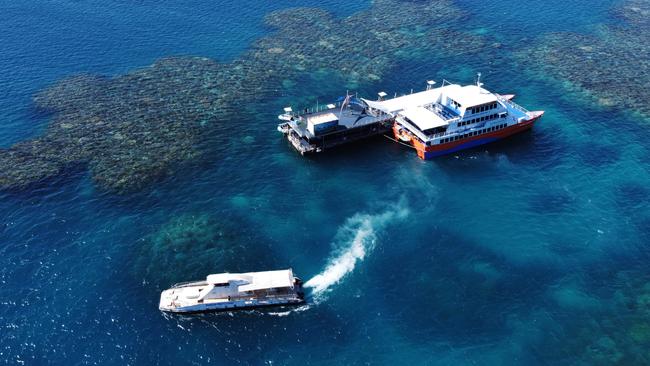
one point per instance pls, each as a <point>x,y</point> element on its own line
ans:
<point>526,251</point>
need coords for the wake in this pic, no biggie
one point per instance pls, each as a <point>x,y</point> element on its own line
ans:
<point>354,240</point>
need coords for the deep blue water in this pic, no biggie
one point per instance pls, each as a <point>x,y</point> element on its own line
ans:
<point>490,256</point>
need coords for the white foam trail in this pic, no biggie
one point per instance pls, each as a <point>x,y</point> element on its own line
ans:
<point>358,235</point>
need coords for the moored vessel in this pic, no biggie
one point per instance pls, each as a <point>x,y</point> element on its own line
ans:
<point>436,121</point>
<point>324,127</point>
<point>443,120</point>
<point>234,291</point>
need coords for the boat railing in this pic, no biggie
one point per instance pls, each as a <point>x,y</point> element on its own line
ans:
<point>189,283</point>
<point>511,104</point>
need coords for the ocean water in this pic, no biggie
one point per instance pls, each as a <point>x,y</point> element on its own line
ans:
<point>527,251</point>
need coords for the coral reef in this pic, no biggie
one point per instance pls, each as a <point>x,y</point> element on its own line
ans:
<point>135,128</point>
<point>615,332</point>
<point>191,246</point>
<point>608,66</point>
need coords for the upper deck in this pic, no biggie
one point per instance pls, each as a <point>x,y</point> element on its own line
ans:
<point>447,110</point>
<point>347,118</point>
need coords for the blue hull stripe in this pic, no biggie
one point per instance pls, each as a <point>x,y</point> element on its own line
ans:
<point>466,145</point>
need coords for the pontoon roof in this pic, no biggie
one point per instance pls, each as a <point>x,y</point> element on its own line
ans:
<point>423,118</point>
<point>394,105</point>
<point>322,118</point>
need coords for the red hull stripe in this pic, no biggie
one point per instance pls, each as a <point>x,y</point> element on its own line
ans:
<point>511,130</point>
<point>426,152</point>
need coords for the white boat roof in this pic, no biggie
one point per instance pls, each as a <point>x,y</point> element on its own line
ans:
<point>322,118</point>
<point>470,95</point>
<point>255,280</point>
<point>394,105</point>
<point>466,96</point>
<point>423,118</point>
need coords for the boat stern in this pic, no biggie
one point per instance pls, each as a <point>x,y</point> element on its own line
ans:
<point>167,300</point>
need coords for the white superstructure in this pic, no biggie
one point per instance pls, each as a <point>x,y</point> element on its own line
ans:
<point>227,291</point>
<point>452,117</point>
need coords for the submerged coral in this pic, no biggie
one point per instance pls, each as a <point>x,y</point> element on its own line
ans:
<point>191,246</point>
<point>132,129</point>
<point>609,66</point>
<point>613,330</point>
<point>129,130</point>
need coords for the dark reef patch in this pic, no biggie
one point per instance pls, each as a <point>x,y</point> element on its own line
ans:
<point>462,283</point>
<point>609,66</point>
<point>617,332</point>
<point>133,129</point>
<point>632,197</point>
<point>551,202</point>
<point>189,247</point>
<point>596,155</point>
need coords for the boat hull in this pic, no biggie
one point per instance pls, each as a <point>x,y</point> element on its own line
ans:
<point>430,152</point>
<point>203,308</point>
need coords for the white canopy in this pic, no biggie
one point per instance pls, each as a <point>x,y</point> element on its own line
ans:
<point>252,281</point>
<point>423,118</point>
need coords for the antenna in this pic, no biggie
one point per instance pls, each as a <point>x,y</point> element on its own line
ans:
<point>430,84</point>
<point>478,80</point>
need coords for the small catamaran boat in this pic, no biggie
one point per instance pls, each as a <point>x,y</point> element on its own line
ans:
<point>234,291</point>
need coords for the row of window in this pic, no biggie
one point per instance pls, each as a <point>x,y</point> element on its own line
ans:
<point>473,133</point>
<point>454,103</point>
<point>480,119</point>
<point>483,108</point>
